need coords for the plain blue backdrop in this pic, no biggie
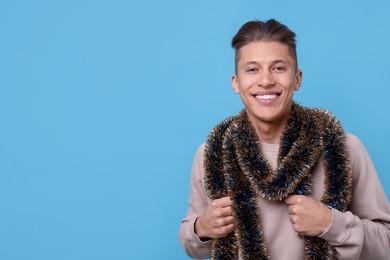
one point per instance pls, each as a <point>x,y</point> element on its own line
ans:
<point>104,103</point>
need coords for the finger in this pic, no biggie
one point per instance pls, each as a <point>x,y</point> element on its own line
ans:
<point>294,199</point>
<point>222,202</point>
<point>223,231</point>
<point>291,200</point>
<point>230,228</point>
<point>229,220</point>
<point>293,219</point>
<point>223,212</point>
<point>222,222</point>
<point>290,210</point>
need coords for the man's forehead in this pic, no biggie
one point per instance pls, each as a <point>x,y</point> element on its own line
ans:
<point>265,52</point>
<point>264,48</point>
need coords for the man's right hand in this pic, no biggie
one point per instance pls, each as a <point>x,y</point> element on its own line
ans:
<point>216,221</point>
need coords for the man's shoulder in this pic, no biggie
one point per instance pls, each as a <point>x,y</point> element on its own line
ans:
<point>356,149</point>
<point>200,150</point>
<point>352,140</point>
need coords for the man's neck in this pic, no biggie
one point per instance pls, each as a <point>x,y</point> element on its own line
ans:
<point>269,133</point>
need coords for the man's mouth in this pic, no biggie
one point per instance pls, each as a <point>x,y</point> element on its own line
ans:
<point>267,96</point>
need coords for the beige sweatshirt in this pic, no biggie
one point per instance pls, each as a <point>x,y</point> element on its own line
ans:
<point>363,232</point>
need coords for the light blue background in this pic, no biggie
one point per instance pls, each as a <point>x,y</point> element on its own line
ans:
<point>104,103</point>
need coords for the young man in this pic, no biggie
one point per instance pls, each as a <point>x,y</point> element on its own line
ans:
<point>281,181</point>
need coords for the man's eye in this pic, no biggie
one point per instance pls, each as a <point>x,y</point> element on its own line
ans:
<point>279,68</point>
<point>251,70</point>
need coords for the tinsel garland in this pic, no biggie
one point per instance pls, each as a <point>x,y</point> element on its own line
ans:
<point>235,166</point>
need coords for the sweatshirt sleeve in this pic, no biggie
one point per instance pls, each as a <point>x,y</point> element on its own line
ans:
<point>197,204</point>
<point>363,232</point>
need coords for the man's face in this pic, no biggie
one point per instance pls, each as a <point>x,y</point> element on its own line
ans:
<point>265,79</point>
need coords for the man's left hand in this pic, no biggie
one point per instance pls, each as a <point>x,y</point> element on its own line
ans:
<point>308,216</point>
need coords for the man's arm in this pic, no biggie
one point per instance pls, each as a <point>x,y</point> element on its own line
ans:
<point>205,219</point>
<point>363,232</point>
<point>216,221</point>
<point>197,204</point>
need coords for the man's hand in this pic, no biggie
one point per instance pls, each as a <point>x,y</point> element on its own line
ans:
<point>216,221</point>
<point>308,216</point>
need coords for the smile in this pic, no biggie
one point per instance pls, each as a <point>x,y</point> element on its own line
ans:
<point>266,97</point>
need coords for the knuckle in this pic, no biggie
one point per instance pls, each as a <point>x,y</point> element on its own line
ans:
<point>224,230</point>
<point>218,213</point>
<point>220,222</point>
<point>297,210</point>
<point>296,227</point>
<point>219,232</point>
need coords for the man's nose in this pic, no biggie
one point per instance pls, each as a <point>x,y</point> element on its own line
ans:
<point>265,79</point>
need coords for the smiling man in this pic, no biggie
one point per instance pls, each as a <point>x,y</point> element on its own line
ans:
<point>266,78</point>
<point>279,180</point>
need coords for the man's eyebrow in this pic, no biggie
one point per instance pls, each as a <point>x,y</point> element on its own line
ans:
<point>272,62</point>
<point>251,63</point>
<point>279,61</point>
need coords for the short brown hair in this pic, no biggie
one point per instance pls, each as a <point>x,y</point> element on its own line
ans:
<point>269,31</point>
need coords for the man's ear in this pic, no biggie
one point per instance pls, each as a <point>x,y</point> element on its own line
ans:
<point>235,86</point>
<point>298,79</point>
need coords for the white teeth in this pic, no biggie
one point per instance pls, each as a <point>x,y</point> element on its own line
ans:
<point>266,97</point>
